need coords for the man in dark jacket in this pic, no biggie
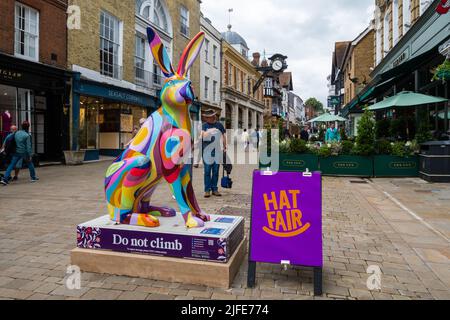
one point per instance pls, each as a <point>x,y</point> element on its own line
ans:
<point>23,152</point>
<point>304,134</point>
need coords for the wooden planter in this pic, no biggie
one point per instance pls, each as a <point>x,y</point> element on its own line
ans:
<point>74,158</point>
<point>296,162</point>
<point>353,166</point>
<point>392,166</point>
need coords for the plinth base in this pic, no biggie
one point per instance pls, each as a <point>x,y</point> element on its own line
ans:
<point>211,274</point>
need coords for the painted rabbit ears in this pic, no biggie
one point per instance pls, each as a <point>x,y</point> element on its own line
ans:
<point>162,58</point>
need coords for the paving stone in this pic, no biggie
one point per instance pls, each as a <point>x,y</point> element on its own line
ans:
<point>128,295</point>
<point>361,294</point>
<point>46,288</point>
<point>157,296</point>
<point>102,294</point>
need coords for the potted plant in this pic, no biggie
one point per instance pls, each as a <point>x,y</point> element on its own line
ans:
<point>442,72</point>
<point>74,157</point>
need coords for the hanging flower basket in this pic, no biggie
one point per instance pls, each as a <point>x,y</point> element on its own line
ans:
<point>442,72</point>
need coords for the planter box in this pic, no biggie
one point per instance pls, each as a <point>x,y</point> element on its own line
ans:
<point>296,162</point>
<point>353,166</point>
<point>74,158</point>
<point>392,166</point>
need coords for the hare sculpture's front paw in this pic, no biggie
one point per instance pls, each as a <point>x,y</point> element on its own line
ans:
<point>192,221</point>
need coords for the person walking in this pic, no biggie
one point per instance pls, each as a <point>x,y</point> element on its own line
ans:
<point>7,147</point>
<point>23,152</point>
<point>212,132</point>
<point>304,134</point>
<point>332,134</point>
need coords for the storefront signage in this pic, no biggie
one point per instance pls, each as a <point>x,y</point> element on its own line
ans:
<point>401,59</point>
<point>108,92</point>
<point>6,74</point>
<point>286,222</point>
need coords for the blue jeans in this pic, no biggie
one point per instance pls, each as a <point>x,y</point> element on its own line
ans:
<point>211,177</point>
<point>15,159</point>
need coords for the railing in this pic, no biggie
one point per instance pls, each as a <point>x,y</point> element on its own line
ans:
<point>147,79</point>
<point>111,70</point>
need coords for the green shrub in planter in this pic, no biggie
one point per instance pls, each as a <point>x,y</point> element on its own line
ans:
<point>347,147</point>
<point>365,141</point>
<point>383,147</point>
<point>298,146</point>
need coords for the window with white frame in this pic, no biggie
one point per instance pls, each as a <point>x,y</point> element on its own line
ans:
<point>184,21</point>
<point>214,98</point>
<point>139,59</point>
<point>206,87</point>
<point>215,56</point>
<point>109,45</point>
<point>406,15</point>
<point>206,50</point>
<point>26,41</point>
<point>154,11</point>
<point>395,17</point>
<point>424,4</point>
<point>386,46</point>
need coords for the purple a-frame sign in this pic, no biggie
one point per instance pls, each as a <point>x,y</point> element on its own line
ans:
<point>286,222</point>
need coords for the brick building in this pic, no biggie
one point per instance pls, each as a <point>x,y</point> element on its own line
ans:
<point>117,82</point>
<point>33,77</point>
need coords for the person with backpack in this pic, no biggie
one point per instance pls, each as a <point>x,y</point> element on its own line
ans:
<point>23,151</point>
<point>9,148</point>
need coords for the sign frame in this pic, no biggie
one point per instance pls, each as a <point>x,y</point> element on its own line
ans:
<point>317,270</point>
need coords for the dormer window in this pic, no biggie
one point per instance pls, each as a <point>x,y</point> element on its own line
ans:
<point>153,11</point>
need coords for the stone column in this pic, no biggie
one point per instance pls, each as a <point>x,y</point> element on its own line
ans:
<point>245,118</point>
<point>255,119</point>
<point>235,117</point>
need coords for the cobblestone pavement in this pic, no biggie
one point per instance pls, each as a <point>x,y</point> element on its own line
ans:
<point>402,226</point>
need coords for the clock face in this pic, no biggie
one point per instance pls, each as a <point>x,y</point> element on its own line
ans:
<point>277,65</point>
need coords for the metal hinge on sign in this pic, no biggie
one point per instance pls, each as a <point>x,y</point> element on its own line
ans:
<point>285,264</point>
<point>267,172</point>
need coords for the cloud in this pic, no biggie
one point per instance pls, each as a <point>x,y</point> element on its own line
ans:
<point>303,30</point>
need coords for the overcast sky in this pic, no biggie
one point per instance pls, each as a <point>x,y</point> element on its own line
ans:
<point>304,30</point>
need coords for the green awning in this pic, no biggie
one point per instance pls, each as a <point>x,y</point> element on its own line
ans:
<point>406,99</point>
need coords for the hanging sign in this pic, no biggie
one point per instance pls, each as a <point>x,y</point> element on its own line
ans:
<point>443,7</point>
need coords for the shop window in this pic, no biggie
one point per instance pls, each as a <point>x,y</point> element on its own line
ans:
<point>8,110</point>
<point>184,21</point>
<point>206,50</point>
<point>214,99</point>
<point>26,41</point>
<point>214,56</point>
<point>206,88</point>
<point>110,46</point>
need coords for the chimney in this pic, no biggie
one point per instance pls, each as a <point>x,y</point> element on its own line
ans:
<point>256,58</point>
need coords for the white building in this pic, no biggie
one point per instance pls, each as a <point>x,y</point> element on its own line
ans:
<point>210,67</point>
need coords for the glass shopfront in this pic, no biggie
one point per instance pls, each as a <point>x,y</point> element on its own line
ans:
<point>16,105</point>
<point>107,125</point>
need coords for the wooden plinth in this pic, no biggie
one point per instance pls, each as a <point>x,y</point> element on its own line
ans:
<point>211,274</point>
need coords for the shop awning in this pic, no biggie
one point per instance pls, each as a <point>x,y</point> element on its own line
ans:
<point>368,93</point>
<point>327,117</point>
<point>406,99</point>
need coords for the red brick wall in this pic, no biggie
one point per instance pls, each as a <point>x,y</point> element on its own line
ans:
<point>52,29</point>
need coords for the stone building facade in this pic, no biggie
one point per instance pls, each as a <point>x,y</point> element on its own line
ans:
<point>241,107</point>
<point>357,64</point>
<point>393,19</point>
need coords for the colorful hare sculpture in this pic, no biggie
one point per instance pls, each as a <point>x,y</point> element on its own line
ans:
<point>158,151</point>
